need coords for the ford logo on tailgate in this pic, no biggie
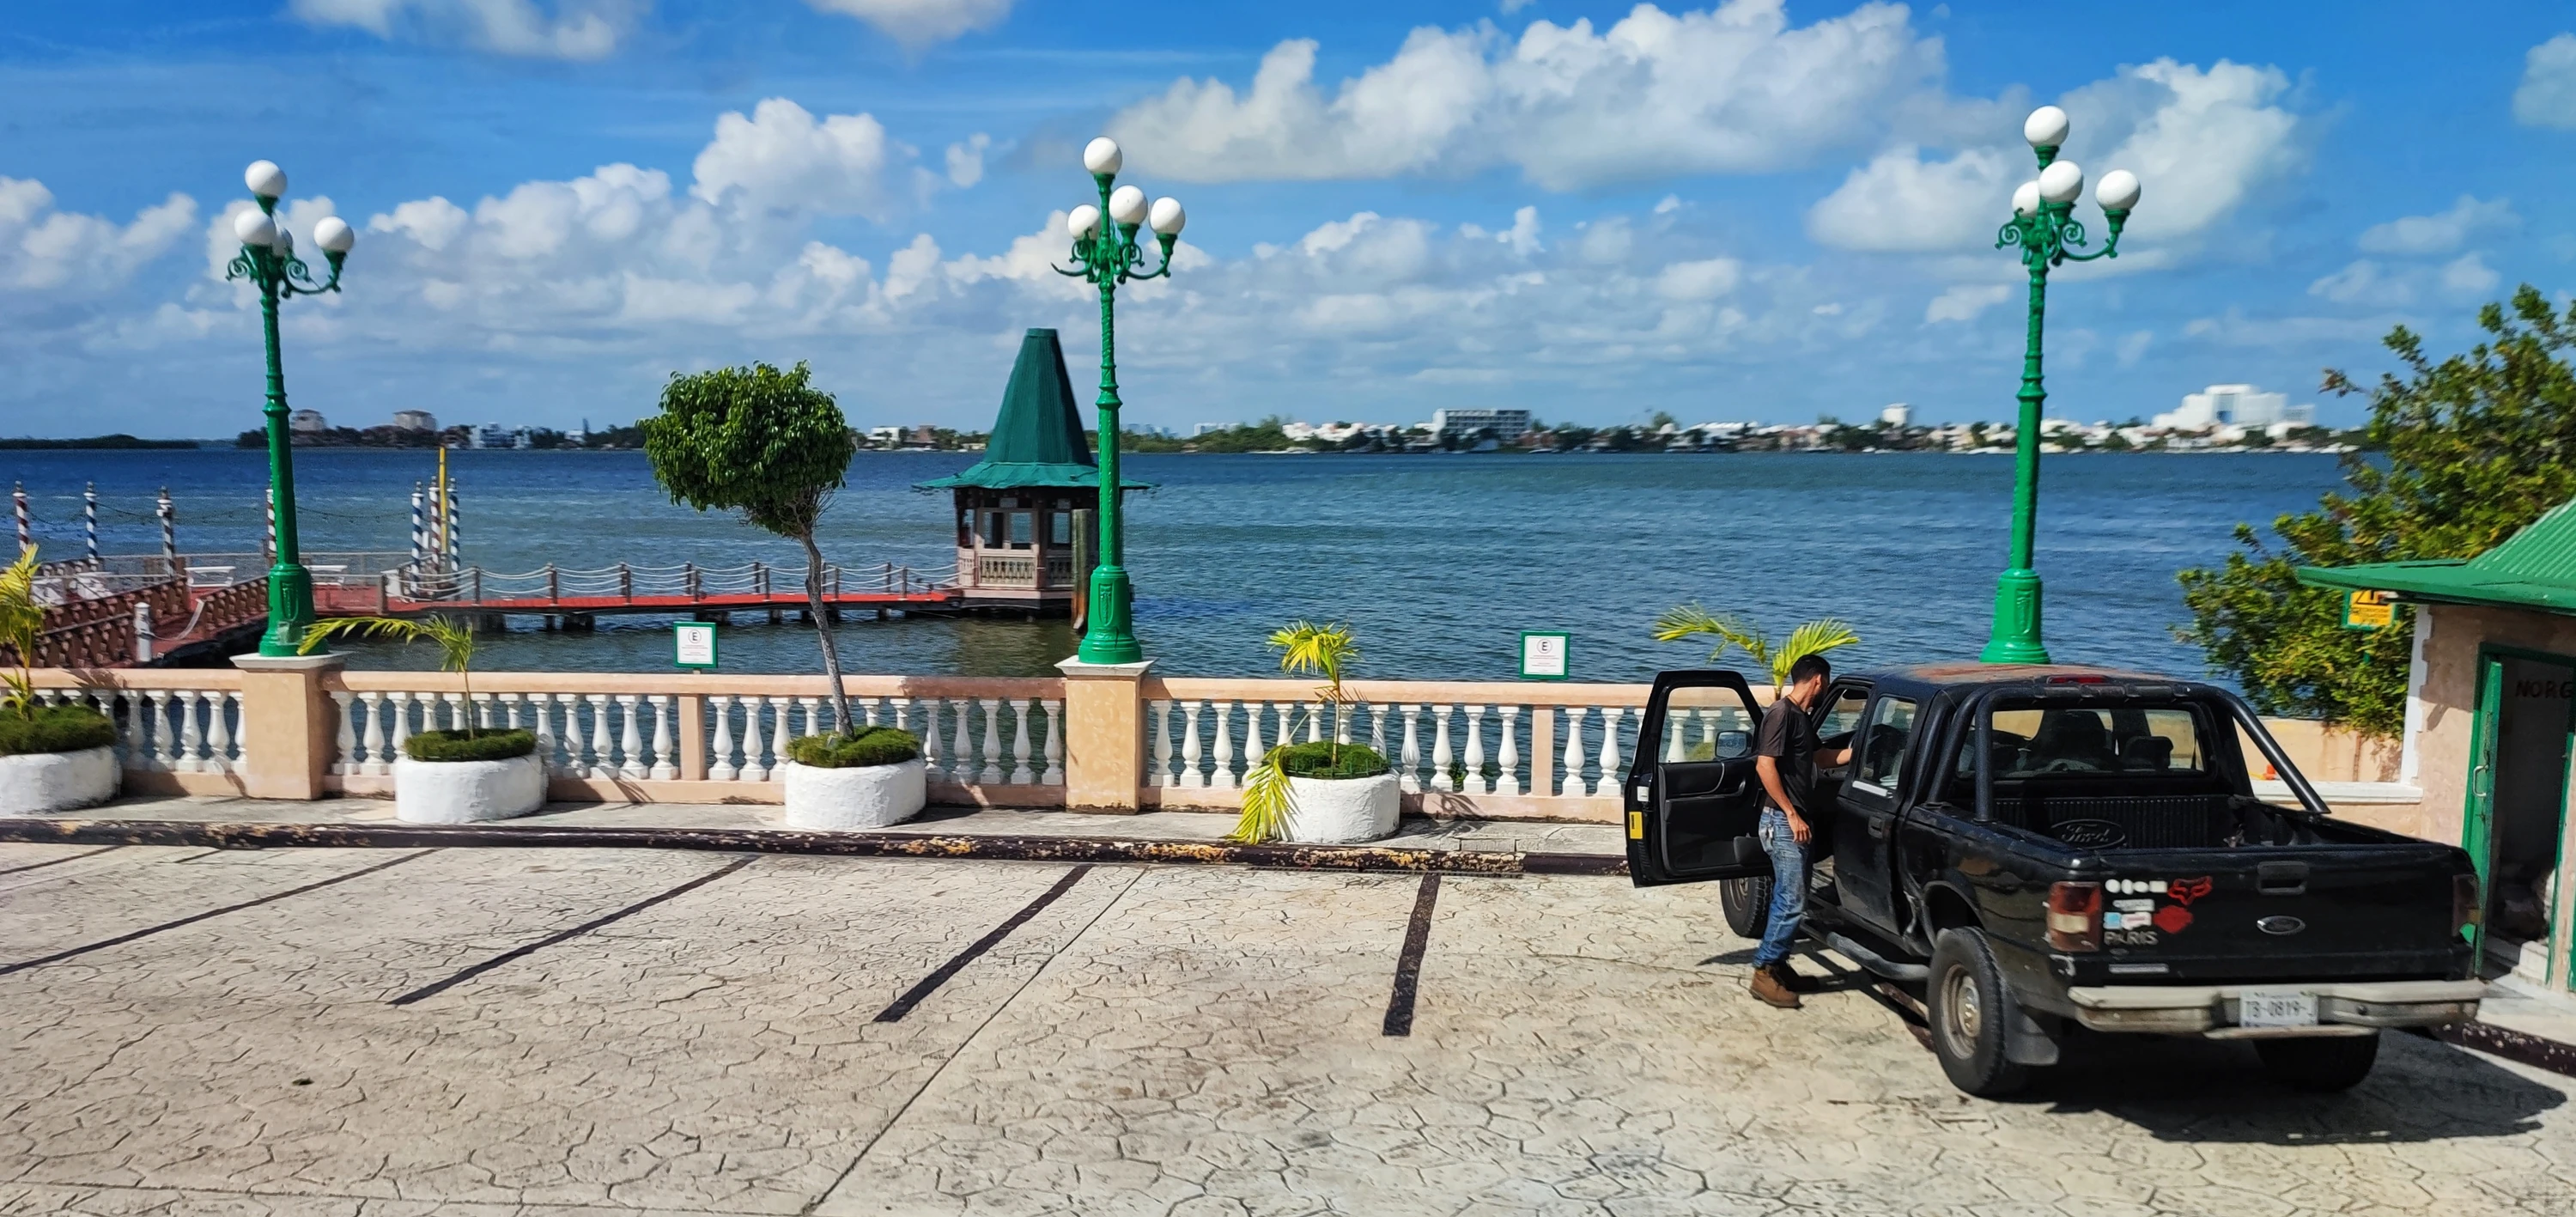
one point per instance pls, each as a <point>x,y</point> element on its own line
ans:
<point>2089,834</point>
<point>2280,925</point>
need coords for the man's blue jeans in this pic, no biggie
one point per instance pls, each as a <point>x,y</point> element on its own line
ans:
<point>1788,887</point>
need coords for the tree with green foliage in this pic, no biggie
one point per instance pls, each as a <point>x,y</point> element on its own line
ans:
<point>767,445</point>
<point>2471,448</point>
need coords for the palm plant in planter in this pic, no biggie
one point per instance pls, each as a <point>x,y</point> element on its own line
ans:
<point>52,758</point>
<point>1813,638</point>
<point>1323,791</point>
<point>769,446</point>
<point>464,774</point>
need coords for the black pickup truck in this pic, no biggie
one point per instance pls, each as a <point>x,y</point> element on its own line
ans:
<point>2039,846</point>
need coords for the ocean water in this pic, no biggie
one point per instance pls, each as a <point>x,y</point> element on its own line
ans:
<point>1438,562</point>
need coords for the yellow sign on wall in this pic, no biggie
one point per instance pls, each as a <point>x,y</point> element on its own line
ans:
<point>2369,610</point>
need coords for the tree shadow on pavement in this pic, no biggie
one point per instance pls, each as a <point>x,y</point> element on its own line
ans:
<point>2195,1090</point>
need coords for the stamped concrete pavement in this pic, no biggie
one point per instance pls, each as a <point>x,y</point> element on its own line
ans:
<point>506,1033</point>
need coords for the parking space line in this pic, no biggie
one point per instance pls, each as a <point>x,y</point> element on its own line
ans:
<point>58,861</point>
<point>192,919</point>
<point>930,984</point>
<point>1408,965</point>
<point>522,952</point>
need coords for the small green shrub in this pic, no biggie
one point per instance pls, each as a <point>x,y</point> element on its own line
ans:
<point>869,746</point>
<point>55,729</point>
<point>486,744</point>
<point>1316,760</point>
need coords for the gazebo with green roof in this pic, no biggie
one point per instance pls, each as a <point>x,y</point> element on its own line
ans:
<point>2533,569</point>
<point>1027,512</point>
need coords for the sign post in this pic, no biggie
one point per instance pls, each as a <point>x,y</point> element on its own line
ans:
<point>693,644</point>
<point>1544,656</point>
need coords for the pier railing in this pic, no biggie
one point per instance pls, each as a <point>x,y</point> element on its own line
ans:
<point>1109,739</point>
<point>626,582</point>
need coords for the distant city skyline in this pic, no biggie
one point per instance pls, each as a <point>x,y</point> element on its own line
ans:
<point>559,202</point>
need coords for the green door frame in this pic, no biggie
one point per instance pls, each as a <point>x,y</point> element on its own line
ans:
<point>2477,819</point>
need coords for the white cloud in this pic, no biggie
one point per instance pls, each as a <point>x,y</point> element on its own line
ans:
<point>2547,95</point>
<point>2200,140</point>
<point>2370,284</point>
<point>780,160</point>
<point>575,29</point>
<point>918,23</point>
<point>1705,279</point>
<point>966,161</point>
<point>2132,347</point>
<point>1732,89</point>
<point>2469,275</point>
<point>69,252</point>
<point>2440,233</point>
<point>1964,302</point>
<point>2363,282</point>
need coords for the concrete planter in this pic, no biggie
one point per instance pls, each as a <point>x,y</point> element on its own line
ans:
<point>465,792</point>
<point>868,796</point>
<point>1338,811</point>
<point>38,783</point>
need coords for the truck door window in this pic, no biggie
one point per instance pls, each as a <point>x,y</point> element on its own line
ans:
<point>1840,713</point>
<point>1882,745</point>
<point>1706,724</point>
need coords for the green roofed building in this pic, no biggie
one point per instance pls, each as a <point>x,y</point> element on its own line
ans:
<point>1026,512</point>
<point>2490,711</point>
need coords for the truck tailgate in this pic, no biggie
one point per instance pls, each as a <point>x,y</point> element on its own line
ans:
<point>2343,912</point>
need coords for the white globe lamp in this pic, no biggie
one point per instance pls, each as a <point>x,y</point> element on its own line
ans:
<point>255,229</point>
<point>334,235</point>
<point>265,180</point>
<point>1167,216</point>
<point>2045,128</point>
<point>1127,205</point>
<point>1082,222</point>
<point>2118,191</point>
<point>2061,182</point>
<point>1101,156</point>
<point>2026,199</point>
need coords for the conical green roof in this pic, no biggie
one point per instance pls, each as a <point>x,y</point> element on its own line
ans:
<point>1037,439</point>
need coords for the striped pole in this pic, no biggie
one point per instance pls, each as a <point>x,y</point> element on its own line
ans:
<point>419,528</point>
<point>455,535</point>
<point>268,543</point>
<point>26,532</point>
<point>89,518</point>
<point>169,531</point>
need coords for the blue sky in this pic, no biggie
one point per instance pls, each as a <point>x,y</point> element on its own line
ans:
<point>1737,210</point>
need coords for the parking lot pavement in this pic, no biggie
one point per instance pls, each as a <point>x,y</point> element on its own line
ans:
<point>521,1032</point>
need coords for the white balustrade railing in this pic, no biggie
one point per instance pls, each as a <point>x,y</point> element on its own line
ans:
<point>167,730</point>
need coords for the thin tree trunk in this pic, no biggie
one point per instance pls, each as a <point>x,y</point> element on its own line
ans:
<point>823,628</point>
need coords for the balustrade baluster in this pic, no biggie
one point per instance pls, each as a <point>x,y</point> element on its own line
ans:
<point>1441,777</point>
<point>1673,750</point>
<point>930,758</point>
<point>899,713</point>
<point>1255,745</point>
<point>192,740</point>
<point>1341,723</point>
<point>219,731</point>
<point>395,747</point>
<point>1511,758</point>
<point>1192,774</point>
<point>1021,774</point>
<point>1476,753</point>
<point>1162,712</point>
<point>780,708</point>
<point>483,711</point>
<point>1314,727</point>
<point>1225,774</point>
<point>630,739</point>
<point>753,770</point>
<point>812,715</point>
<point>720,767</point>
<point>1411,774</point>
<point>348,745</point>
<point>992,775</point>
<point>547,738</point>
<point>510,711</point>
<point>1608,783</point>
<point>142,752</point>
<point>602,752</point>
<point>666,755</point>
<point>1573,782</point>
<point>457,712</point>
<point>1377,730</point>
<point>868,711</point>
<point>1054,775</point>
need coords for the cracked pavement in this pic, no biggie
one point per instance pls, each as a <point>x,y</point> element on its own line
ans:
<point>1158,1040</point>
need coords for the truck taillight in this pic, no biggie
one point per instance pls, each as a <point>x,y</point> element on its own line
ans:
<point>2465,909</point>
<point>2075,916</point>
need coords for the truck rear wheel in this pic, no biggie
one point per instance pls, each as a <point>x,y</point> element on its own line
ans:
<point>2320,1065</point>
<point>1971,1010</point>
<point>1747,905</point>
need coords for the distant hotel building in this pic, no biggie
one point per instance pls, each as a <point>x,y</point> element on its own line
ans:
<point>2235,406</point>
<point>415,420</point>
<point>307,421</point>
<point>1504,426</point>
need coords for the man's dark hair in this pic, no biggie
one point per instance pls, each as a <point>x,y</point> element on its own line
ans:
<point>1810,665</point>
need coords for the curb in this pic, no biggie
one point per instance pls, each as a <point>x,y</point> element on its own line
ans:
<point>238,835</point>
<point>2512,1045</point>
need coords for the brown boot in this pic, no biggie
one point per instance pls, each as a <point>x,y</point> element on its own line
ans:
<point>1790,980</point>
<point>1766,986</point>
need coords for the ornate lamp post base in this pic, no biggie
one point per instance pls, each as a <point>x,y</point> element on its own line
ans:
<point>1110,639</point>
<point>2016,637</point>
<point>290,610</point>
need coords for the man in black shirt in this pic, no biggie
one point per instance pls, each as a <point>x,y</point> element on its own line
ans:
<point>1787,754</point>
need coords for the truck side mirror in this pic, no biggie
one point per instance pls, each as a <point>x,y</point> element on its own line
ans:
<point>1733,744</point>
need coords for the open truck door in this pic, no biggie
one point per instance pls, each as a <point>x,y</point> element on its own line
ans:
<point>1693,802</point>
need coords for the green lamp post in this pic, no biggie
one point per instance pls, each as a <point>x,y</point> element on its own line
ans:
<point>2048,234</point>
<point>268,260</point>
<point>1106,255</point>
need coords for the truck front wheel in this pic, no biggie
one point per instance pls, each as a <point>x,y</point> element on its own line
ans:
<point>1747,905</point>
<point>2319,1065</point>
<point>1971,1009</point>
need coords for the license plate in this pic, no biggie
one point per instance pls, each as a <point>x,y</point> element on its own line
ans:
<point>2276,1008</point>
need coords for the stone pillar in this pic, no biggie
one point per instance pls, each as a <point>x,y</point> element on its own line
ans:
<point>1104,735</point>
<point>288,732</point>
